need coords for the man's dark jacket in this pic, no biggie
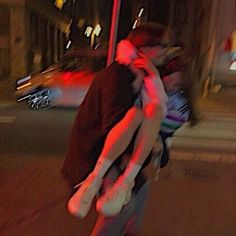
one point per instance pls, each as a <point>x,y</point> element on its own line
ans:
<point>110,96</point>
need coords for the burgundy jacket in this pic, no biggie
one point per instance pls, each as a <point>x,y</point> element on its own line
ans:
<point>109,98</point>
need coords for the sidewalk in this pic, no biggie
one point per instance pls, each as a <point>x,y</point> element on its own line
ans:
<point>216,130</point>
<point>195,194</point>
<point>213,139</point>
<point>198,186</point>
<point>7,90</point>
<point>221,102</point>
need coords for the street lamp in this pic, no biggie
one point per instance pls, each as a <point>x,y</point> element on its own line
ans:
<point>138,19</point>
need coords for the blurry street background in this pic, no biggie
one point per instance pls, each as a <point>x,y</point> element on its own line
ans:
<point>195,195</point>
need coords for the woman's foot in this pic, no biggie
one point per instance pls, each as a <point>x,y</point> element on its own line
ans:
<point>80,203</point>
<point>115,197</point>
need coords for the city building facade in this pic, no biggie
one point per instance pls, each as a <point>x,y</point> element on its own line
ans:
<point>34,34</point>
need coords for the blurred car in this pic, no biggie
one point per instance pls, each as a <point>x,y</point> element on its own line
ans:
<point>62,84</point>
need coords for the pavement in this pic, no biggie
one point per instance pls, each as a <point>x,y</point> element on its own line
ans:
<point>215,131</point>
<point>194,196</point>
<point>7,89</point>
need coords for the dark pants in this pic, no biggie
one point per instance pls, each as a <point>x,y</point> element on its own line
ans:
<point>165,151</point>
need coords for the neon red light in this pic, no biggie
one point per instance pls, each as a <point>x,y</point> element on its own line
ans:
<point>66,76</point>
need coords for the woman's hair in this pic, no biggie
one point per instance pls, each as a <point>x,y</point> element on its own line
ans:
<point>148,34</point>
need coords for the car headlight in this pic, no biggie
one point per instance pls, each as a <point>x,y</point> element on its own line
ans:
<point>22,83</point>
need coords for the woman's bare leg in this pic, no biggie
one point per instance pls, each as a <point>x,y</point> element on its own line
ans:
<point>145,140</point>
<point>118,140</point>
<point>120,193</point>
<point>147,133</point>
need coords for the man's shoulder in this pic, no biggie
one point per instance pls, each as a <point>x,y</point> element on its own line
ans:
<point>115,67</point>
<point>115,71</point>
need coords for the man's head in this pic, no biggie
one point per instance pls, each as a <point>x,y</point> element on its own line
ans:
<point>151,39</point>
<point>148,34</point>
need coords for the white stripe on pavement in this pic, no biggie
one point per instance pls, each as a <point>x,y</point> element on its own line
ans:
<point>7,104</point>
<point>7,119</point>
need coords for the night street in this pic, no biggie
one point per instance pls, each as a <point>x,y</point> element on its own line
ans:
<point>191,196</point>
<point>27,131</point>
<point>149,68</point>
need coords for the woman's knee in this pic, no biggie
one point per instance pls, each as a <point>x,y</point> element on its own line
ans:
<point>153,111</point>
<point>135,115</point>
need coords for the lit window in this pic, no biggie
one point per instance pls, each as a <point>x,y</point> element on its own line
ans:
<point>88,31</point>
<point>97,30</point>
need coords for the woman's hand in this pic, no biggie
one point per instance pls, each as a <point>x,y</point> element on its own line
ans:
<point>145,65</point>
